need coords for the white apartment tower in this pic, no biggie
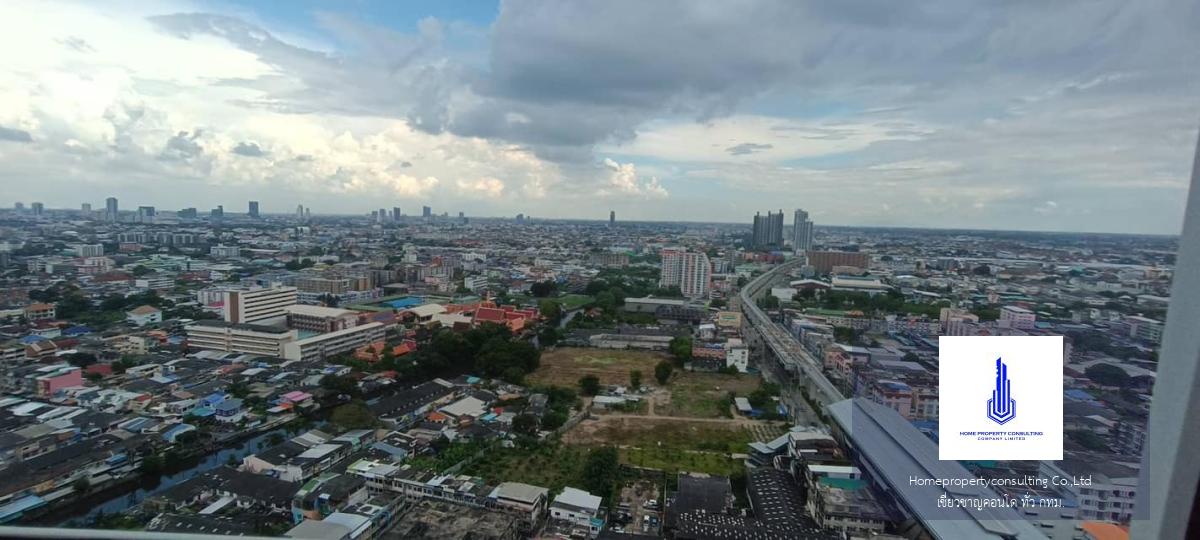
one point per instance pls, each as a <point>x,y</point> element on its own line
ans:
<point>802,232</point>
<point>258,304</point>
<point>691,272</point>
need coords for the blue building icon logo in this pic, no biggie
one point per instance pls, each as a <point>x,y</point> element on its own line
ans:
<point>1002,407</point>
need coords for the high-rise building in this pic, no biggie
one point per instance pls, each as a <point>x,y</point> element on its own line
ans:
<point>18,206</point>
<point>299,211</point>
<point>146,214</point>
<point>691,272</point>
<point>218,212</point>
<point>768,230</point>
<point>258,304</point>
<point>426,212</point>
<point>38,208</point>
<point>307,212</point>
<point>111,211</point>
<point>86,208</point>
<point>612,218</point>
<point>383,215</point>
<point>802,232</point>
<point>253,209</point>
<point>396,214</point>
<point>187,213</point>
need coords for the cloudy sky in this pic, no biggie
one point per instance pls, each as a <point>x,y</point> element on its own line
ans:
<point>1067,115</point>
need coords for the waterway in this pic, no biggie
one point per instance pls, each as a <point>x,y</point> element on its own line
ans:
<point>124,496</point>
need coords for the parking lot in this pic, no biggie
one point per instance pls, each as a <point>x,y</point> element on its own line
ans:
<point>640,509</point>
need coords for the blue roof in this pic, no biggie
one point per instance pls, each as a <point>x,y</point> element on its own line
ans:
<point>406,302</point>
<point>77,331</point>
<point>215,397</point>
<point>13,510</point>
<point>202,412</point>
<point>33,339</point>
<point>1076,394</point>
<point>232,404</point>
<point>178,428</point>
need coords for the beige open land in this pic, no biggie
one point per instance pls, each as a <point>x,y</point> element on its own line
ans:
<point>702,395</point>
<point>565,366</point>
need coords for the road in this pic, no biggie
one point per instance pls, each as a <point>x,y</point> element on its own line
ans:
<point>793,361</point>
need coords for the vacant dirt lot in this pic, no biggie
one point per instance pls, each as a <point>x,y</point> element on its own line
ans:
<point>649,431</point>
<point>702,395</point>
<point>565,366</point>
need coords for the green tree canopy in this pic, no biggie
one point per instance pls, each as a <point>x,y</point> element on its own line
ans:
<point>589,385</point>
<point>662,372</point>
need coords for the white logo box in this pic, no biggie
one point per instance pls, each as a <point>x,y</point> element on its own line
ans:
<point>1032,427</point>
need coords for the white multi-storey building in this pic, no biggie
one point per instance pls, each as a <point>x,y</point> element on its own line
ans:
<point>225,252</point>
<point>323,346</point>
<point>1017,317</point>
<point>691,272</point>
<point>258,304</point>
<point>239,337</point>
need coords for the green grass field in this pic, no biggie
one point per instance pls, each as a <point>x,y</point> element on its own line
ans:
<point>550,465</point>
<point>673,461</point>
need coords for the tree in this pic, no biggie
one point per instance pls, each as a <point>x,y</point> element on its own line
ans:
<point>353,415</point>
<point>717,303</point>
<point>152,465</point>
<point>342,384</point>
<point>554,419</point>
<point>81,484</point>
<point>238,389</point>
<point>542,289</point>
<point>548,336</point>
<point>551,310</point>
<point>982,270</point>
<point>139,271</point>
<point>1107,375</point>
<point>635,379</point>
<point>589,385</point>
<point>525,424</point>
<point>662,372</point>
<point>600,471</point>
<point>910,357</point>
<point>680,348</point>
<point>81,359</point>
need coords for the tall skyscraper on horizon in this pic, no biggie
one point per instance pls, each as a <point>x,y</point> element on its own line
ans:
<point>38,208</point>
<point>426,212</point>
<point>396,214</point>
<point>691,272</point>
<point>146,214</point>
<point>111,211</point>
<point>85,208</point>
<point>802,232</point>
<point>612,218</point>
<point>768,230</point>
<point>253,211</point>
<point>18,206</point>
<point>299,211</point>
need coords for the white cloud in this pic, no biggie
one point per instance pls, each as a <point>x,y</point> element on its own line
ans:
<point>623,180</point>
<point>760,138</point>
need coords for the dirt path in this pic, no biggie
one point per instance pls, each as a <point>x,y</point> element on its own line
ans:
<point>687,419</point>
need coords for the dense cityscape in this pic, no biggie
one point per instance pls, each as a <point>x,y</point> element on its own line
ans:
<point>428,374</point>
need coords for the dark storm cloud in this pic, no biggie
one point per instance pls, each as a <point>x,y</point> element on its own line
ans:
<point>15,135</point>
<point>747,148</point>
<point>248,149</point>
<point>182,146</point>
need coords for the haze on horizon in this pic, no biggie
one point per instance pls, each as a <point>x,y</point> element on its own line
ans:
<point>1071,116</point>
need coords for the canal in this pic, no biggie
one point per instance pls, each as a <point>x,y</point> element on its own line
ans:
<point>124,496</point>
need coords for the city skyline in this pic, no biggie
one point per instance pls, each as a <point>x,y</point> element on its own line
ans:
<point>460,107</point>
